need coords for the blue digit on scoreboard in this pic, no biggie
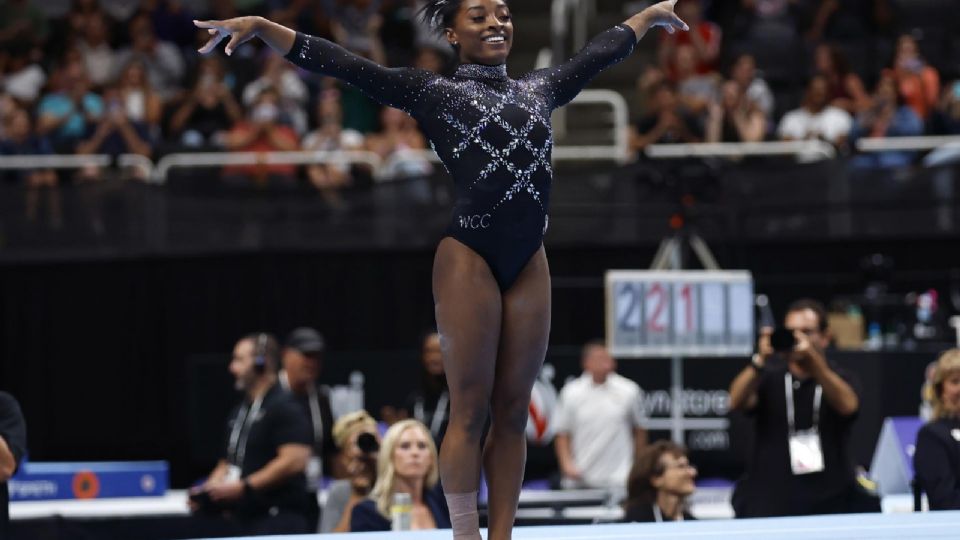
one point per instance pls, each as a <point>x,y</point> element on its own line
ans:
<point>679,313</point>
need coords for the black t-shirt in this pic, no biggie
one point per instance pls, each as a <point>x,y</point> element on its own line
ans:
<point>279,421</point>
<point>322,443</point>
<point>769,487</point>
<point>14,432</point>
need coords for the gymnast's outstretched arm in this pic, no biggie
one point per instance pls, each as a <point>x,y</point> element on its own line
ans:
<point>396,87</point>
<point>563,83</point>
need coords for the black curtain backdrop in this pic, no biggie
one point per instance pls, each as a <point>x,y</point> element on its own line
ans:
<point>126,359</point>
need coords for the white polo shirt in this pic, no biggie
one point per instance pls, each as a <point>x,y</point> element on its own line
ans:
<point>600,420</point>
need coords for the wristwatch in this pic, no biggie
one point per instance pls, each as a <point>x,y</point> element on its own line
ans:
<point>756,363</point>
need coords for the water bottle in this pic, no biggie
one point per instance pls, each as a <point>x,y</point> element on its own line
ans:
<point>401,511</point>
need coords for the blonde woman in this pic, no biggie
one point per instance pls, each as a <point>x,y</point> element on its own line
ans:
<point>937,459</point>
<point>407,464</point>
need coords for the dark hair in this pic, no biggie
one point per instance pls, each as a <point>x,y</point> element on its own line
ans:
<point>814,306</point>
<point>647,466</point>
<point>439,14</point>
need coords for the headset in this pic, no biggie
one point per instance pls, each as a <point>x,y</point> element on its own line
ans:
<point>260,353</point>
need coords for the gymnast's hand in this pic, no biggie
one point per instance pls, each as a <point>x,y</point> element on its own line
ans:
<point>240,30</point>
<point>659,14</point>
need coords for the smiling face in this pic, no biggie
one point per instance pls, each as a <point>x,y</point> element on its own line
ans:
<point>482,32</point>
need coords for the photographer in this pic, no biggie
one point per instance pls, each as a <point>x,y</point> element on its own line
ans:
<point>359,441</point>
<point>803,410</point>
<point>259,486</point>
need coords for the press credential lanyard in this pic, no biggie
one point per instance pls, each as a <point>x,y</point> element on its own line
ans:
<point>439,413</point>
<point>241,432</point>
<point>817,399</point>
<point>658,515</point>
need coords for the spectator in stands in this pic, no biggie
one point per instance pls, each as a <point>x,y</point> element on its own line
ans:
<point>803,408</point>
<point>407,463</point>
<point>94,46</point>
<point>13,447</point>
<point>21,74</point>
<point>330,136</point>
<point>19,139</point>
<point>599,423</point>
<point>845,88</point>
<point>744,72</point>
<point>937,457</point>
<point>704,36</point>
<point>430,405</point>
<point>115,132</point>
<point>280,75</point>
<point>140,103</point>
<point>22,25</point>
<point>668,122</point>
<point>735,118</point>
<point>918,82</point>
<point>697,91</point>
<point>946,120</point>
<point>887,116</point>
<point>262,132</point>
<point>259,484</point>
<point>72,110</point>
<point>80,15</point>
<point>207,112</point>
<point>358,439</point>
<point>164,63</point>
<point>816,118</point>
<point>356,26</point>
<point>660,482</point>
<point>302,362</point>
<point>398,134</point>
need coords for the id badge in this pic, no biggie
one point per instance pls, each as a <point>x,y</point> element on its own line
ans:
<point>313,473</point>
<point>233,474</point>
<point>806,456</point>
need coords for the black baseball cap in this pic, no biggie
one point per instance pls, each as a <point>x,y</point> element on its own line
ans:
<point>306,340</point>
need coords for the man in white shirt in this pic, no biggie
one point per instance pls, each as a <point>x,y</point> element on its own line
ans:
<point>816,118</point>
<point>599,423</point>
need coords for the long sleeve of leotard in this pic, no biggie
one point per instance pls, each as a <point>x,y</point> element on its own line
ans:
<point>402,88</point>
<point>562,83</point>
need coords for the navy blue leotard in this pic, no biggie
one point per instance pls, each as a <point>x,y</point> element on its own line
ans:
<point>492,133</point>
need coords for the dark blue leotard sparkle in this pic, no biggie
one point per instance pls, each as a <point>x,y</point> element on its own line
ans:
<point>492,133</point>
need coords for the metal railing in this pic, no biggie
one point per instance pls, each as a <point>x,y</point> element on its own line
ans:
<point>812,149</point>
<point>619,151</point>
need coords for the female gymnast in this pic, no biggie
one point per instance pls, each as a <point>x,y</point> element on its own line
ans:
<point>491,283</point>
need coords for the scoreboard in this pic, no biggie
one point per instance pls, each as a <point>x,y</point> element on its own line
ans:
<point>679,313</point>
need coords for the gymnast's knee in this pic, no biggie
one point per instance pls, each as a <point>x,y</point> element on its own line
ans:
<point>511,417</point>
<point>470,421</point>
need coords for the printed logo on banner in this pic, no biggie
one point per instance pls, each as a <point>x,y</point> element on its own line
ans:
<point>86,485</point>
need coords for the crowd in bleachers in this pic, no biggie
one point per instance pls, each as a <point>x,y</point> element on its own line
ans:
<point>123,76</point>
<point>794,69</point>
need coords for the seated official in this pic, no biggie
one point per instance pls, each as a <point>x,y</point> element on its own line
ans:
<point>357,437</point>
<point>660,482</point>
<point>937,458</point>
<point>407,464</point>
<point>259,486</point>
